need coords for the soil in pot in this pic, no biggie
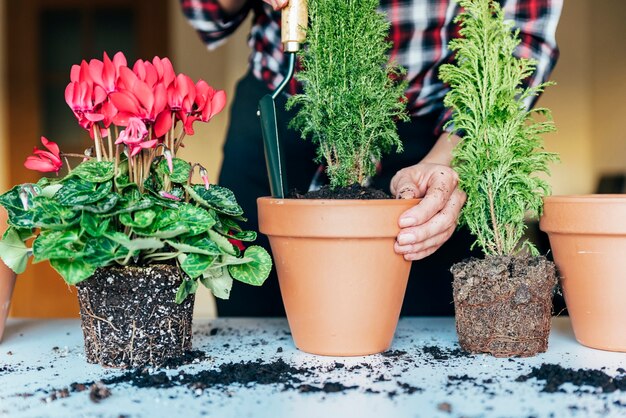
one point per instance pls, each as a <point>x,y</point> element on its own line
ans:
<point>504,304</point>
<point>355,191</point>
<point>130,317</point>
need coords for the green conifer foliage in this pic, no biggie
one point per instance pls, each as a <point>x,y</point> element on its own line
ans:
<point>352,95</point>
<point>501,153</point>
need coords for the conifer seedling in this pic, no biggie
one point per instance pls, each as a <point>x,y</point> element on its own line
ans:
<point>503,303</point>
<point>501,154</point>
<point>352,95</point>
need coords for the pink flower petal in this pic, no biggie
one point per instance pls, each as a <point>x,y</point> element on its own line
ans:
<point>125,102</point>
<point>162,124</point>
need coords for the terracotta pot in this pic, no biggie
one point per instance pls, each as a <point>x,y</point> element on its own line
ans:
<point>7,281</point>
<point>341,282</point>
<point>130,317</point>
<point>588,239</point>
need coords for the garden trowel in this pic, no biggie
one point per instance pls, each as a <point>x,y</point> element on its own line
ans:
<point>293,26</point>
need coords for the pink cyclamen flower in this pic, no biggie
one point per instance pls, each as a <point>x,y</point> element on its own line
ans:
<point>203,105</point>
<point>138,98</point>
<point>210,101</point>
<point>104,73</point>
<point>168,157</point>
<point>133,136</point>
<point>205,177</point>
<point>45,161</point>
<point>168,195</point>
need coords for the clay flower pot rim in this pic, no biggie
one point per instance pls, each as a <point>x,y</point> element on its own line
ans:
<point>583,198</point>
<point>594,214</point>
<point>335,202</point>
<point>326,218</point>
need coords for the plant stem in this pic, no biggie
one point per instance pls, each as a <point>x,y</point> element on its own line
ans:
<point>110,142</point>
<point>70,154</point>
<point>172,138</point>
<point>97,143</point>
<point>179,142</point>
<point>116,164</point>
<point>494,222</point>
<point>69,167</point>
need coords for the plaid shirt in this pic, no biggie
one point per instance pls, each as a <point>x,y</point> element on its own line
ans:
<point>420,31</point>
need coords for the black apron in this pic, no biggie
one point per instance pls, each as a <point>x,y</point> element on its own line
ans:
<point>243,171</point>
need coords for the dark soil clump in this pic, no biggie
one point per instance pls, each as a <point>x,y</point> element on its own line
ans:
<point>98,392</point>
<point>355,191</point>
<point>188,357</point>
<point>444,354</point>
<point>504,304</point>
<point>555,376</point>
<point>328,387</point>
<point>130,317</point>
<point>393,353</point>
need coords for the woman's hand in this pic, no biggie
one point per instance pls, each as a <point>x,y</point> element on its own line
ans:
<point>277,4</point>
<point>428,225</point>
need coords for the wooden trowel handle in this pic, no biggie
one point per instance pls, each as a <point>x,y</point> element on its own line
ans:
<point>294,23</point>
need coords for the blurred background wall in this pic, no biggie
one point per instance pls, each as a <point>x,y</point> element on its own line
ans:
<point>588,107</point>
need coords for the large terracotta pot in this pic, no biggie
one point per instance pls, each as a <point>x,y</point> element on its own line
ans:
<point>341,282</point>
<point>588,239</point>
<point>7,281</point>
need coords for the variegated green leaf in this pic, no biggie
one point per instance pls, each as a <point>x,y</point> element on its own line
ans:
<point>73,271</point>
<point>94,225</point>
<point>181,170</point>
<point>101,251</point>
<point>187,287</point>
<point>219,281</point>
<point>13,251</point>
<point>195,264</point>
<point>137,243</point>
<point>138,219</point>
<point>223,243</point>
<point>202,246</point>
<point>256,271</point>
<point>215,197</point>
<point>56,245</point>
<point>94,171</point>
<point>76,191</point>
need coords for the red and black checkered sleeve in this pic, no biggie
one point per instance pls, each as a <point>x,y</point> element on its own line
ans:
<point>537,21</point>
<point>210,20</point>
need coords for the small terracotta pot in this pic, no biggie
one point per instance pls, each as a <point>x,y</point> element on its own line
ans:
<point>7,281</point>
<point>588,239</point>
<point>341,281</point>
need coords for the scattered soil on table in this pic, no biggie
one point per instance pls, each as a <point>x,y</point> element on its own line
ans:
<point>328,387</point>
<point>556,376</point>
<point>188,357</point>
<point>130,317</point>
<point>504,304</point>
<point>444,354</point>
<point>355,191</point>
<point>98,391</point>
<point>445,407</point>
<point>393,353</point>
<point>6,370</point>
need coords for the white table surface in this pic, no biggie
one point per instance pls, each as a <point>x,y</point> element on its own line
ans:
<point>36,368</point>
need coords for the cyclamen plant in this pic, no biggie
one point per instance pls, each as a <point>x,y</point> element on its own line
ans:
<point>130,200</point>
